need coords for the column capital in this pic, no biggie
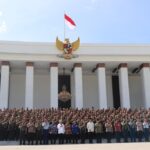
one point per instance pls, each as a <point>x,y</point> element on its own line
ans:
<point>123,65</point>
<point>79,65</point>
<point>100,65</point>
<point>54,64</point>
<point>29,64</point>
<point>6,63</point>
<point>144,65</point>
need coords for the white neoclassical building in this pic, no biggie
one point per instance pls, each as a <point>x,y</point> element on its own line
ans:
<point>102,76</point>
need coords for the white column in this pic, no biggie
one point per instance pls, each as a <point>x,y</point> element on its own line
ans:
<point>145,77</point>
<point>101,75</point>
<point>29,85</point>
<point>78,86</point>
<point>124,86</point>
<point>4,88</point>
<point>54,85</point>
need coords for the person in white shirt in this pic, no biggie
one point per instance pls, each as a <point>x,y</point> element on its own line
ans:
<point>61,132</point>
<point>90,129</point>
<point>45,125</point>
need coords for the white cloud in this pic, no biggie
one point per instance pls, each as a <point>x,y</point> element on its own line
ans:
<point>3,27</point>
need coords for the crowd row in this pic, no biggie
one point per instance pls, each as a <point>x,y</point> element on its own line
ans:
<point>73,125</point>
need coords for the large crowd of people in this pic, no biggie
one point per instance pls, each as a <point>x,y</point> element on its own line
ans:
<point>62,126</point>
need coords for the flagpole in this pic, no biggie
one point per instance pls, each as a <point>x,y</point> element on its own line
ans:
<point>64,27</point>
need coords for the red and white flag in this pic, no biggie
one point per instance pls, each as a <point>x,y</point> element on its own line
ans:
<point>70,23</point>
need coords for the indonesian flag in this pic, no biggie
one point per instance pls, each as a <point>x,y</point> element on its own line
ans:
<point>70,23</point>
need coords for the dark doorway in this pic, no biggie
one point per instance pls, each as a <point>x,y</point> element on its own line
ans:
<point>64,80</point>
<point>116,91</point>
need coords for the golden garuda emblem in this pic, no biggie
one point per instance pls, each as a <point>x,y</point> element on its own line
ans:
<point>67,48</point>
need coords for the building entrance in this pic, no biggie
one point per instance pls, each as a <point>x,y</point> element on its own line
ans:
<point>116,91</point>
<point>64,95</point>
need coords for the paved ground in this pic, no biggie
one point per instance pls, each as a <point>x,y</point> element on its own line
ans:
<point>17,142</point>
<point>122,146</point>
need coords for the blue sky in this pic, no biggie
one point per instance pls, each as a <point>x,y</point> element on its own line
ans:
<point>98,21</point>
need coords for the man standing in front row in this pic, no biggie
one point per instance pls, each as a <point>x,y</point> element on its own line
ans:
<point>90,129</point>
<point>61,132</point>
<point>45,126</point>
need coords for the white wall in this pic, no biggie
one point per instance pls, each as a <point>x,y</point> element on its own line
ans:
<point>72,92</point>
<point>41,91</point>
<point>17,90</point>
<point>90,91</point>
<point>109,91</point>
<point>135,87</point>
<point>85,49</point>
<point>94,53</point>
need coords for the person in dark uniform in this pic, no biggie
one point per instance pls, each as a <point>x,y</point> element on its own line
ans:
<point>38,136</point>
<point>98,131</point>
<point>83,131</point>
<point>5,130</point>
<point>1,131</point>
<point>53,132</point>
<point>132,130</point>
<point>11,130</point>
<point>125,130</point>
<point>68,133</point>
<point>31,132</point>
<point>17,130</point>
<point>23,132</point>
<point>108,130</point>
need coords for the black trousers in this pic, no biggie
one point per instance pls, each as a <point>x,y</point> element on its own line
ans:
<point>22,138</point>
<point>146,134</point>
<point>118,136</point>
<point>98,137</point>
<point>75,138</point>
<point>108,137</point>
<point>38,138</point>
<point>45,136</point>
<point>90,136</point>
<point>139,136</point>
<point>31,137</point>
<point>68,138</point>
<point>83,137</point>
<point>125,135</point>
<point>61,138</point>
<point>53,138</point>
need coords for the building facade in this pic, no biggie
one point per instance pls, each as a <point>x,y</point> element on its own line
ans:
<point>102,76</point>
